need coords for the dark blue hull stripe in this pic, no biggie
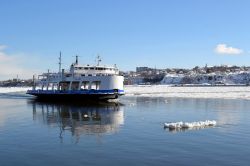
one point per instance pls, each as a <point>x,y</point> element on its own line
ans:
<point>91,92</point>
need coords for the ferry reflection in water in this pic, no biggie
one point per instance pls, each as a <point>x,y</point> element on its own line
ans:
<point>81,119</point>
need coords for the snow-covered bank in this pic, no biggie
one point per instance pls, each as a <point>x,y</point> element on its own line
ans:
<point>13,89</point>
<point>241,77</point>
<point>228,92</point>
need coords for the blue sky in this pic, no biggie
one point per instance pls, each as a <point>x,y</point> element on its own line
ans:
<point>129,33</point>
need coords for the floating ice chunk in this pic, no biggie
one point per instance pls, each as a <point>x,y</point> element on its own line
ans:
<point>173,125</point>
<point>132,104</point>
<point>224,92</point>
<point>185,125</point>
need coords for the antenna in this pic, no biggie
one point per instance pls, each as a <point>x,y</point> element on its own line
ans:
<point>76,59</point>
<point>76,62</point>
<point>60,62</point>
<point>98,59</point>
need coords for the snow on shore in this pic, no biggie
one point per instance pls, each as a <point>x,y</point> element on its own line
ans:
<point>13,89</point>
<point>228,92</point>
<point>239,77</point>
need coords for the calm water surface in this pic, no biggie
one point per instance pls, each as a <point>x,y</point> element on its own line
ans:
<point>131,132</point>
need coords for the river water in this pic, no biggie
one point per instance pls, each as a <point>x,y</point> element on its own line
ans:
<point>128,132</point>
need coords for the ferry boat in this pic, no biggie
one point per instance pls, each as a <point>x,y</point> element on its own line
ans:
<point>80,82</point>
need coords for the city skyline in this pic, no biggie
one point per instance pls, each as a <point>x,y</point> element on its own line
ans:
<point>160,33</point>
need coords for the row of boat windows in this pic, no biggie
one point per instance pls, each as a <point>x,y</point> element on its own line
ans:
<point>75,85</point>
<point>83,75</point>
<point>69,75</point>
<point>93,68</point>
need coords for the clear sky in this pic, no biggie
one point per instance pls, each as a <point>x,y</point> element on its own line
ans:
<point>129,33</point>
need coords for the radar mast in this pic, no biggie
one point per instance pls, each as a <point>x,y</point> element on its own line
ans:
<point>60,62</point>
<point>98,59</point>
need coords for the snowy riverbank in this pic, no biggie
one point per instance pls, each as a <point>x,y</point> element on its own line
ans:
<point>226,78</point>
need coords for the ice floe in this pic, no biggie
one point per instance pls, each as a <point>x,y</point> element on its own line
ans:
<point>186,125</point>
<point>14,89</point>
<point>227,92</point>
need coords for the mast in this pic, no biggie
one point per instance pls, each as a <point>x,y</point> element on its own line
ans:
<point>98,59</point>
<point>34,84</point>
<point>60,62</point>
<point>76,60</point>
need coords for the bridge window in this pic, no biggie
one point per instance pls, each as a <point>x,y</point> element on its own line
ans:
<point>68,75</point>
